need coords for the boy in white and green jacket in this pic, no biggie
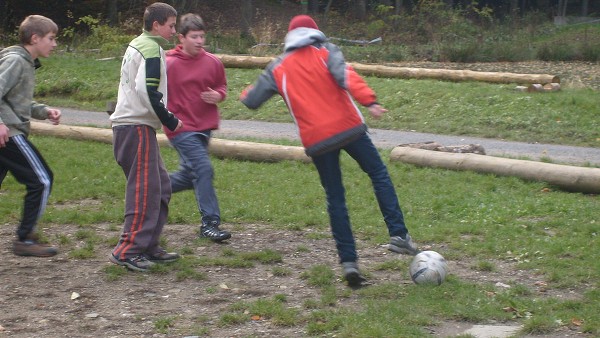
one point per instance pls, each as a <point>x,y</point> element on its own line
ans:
<point>140,111</point>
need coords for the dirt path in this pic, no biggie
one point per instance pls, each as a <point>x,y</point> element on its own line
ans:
<point>67,297</point>
<point>385,139</point>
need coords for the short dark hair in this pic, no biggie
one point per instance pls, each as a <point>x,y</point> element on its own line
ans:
<point>159,12</point>
<point>35,24</point>
<point>191,22</point>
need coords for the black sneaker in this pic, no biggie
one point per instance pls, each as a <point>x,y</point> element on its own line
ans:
<point>212,232</point>
<point>352,275</point>
<point>163,256</point>
<point>135,263</point>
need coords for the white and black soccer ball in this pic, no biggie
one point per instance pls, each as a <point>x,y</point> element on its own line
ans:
<point>428,267</point>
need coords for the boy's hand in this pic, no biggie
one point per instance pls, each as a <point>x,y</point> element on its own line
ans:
<point>376,110</point>
<point>3,135</point>
<point>211,96</point>
<point>179,125</point>
<point>54,116</point>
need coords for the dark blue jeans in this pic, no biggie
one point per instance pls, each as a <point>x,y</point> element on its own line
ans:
<point>366,155</point>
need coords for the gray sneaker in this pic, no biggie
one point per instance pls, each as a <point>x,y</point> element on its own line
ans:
<point>403,246</point>
<point>136,263</point>
<point>352,275</point>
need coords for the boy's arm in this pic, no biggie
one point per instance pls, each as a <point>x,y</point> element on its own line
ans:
<point>10,71</point>
<point>217,92</point>
<point>265,87</point>
<point>152,80</point>
<point>347,78</point>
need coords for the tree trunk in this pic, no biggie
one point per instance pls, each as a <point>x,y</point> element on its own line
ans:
<point>514,8</point>
<point>570,178</point>
<point>112,13</point>
<point>313,6</point>
<point>585,5</point>
<point>359,9</point>
<point>247,17</point>
<point>398,7</point>
<point>239,150</point>
<point>237,61</point>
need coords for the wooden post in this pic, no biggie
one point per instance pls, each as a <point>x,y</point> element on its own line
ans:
<point>570,178</point>
<point>240,150</point>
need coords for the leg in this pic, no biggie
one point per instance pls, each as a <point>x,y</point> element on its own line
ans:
<point>136,151</point>
<point>366,155</point>
<point>328,166</point>
<point>196,168</point>
<point>165,198</point>
<point>28,167</point>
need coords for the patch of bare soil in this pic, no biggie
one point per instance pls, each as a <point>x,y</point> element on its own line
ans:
<point>36,294</point>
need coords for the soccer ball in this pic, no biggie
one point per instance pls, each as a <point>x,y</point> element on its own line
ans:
<point>428,267</point>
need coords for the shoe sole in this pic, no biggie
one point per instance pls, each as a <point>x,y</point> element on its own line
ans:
<point>131,267</point>
<point>160,261</point>
<point>35,255</point>
<point>220,239</point>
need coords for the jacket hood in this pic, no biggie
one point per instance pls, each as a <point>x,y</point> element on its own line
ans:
<point>180,54</point>
<point>301,37</point>
<point>18,50</point>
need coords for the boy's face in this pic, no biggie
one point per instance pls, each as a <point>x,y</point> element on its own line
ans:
<point>43,46</point>
<point>167,30</point>
<point>192,42</point>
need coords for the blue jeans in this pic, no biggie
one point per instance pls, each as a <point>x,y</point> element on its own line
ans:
<point>366,155</point>
<point>196,172</point>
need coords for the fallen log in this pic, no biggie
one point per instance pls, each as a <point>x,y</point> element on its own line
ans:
<point>240,150</point>
<point>569,178</point>
<point>243,61</point>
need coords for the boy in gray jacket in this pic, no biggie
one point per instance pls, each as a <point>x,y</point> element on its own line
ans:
<point>37,35</point>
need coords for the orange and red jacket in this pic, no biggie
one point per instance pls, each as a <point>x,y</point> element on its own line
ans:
<point>318,88</point>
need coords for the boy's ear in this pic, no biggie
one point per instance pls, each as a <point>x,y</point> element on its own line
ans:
<point>155,25</point>
<point>34,39</point>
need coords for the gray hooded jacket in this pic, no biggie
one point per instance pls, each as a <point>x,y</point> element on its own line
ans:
<point>17,82</point>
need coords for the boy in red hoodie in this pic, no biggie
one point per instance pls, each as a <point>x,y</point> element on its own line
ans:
<point>197,84</point>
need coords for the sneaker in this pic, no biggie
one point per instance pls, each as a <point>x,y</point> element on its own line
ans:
<point>212,232</point>
<point>31,247</point>
<point>163,256</point>
<point>403,246</point>
<point>135,263</point>
<point>352,275</point>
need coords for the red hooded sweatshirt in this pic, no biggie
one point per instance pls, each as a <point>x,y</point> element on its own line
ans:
<point>187,77</point>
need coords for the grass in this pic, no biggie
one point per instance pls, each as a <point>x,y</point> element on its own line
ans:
<point>483,218</point>
<point>467,108</point>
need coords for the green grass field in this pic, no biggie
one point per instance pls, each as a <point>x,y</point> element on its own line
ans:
<point>488,220</point>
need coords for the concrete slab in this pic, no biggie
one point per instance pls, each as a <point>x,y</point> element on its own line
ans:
<point>492,331</point>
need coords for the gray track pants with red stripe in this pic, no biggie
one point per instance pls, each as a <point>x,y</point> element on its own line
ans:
<point>148,189</point>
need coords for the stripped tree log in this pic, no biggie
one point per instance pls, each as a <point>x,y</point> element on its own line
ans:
<point>242,61</point>
<point>569,178</point>
<point>240,150</point>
